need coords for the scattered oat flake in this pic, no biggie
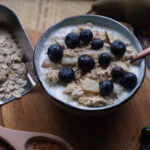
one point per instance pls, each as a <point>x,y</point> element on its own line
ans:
<point>21,90</point>
<point>8,95</point>
<point>16,94</point>
<point>16,66</point>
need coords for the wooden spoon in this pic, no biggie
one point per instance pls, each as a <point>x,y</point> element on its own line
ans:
<point>141,54</point>
<point>20,140</point>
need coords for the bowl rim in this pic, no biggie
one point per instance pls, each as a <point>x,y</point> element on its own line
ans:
<point>94,109</point>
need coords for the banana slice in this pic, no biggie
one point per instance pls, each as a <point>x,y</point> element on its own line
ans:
<point>93,52</point>
<point>69,61</point>
<point>90,85</point>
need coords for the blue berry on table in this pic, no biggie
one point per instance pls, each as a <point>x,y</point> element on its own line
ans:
<point>72,40</point>
<point>104,59</point>
<point>145,133</point>
<point>129,80</point>
<point>117,72</point>
<point>106,88</point>
<point>66,74</point>
<point>118,48</point>
<point>86,36</point>
<point>86,63</point>
<point>97,44</point>
<point>55,53</point>
<point>145,147</point>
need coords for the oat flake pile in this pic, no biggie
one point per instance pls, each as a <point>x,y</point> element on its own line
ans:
<point>12,69</point>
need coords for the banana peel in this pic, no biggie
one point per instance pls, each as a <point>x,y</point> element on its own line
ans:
<point>136,12</point>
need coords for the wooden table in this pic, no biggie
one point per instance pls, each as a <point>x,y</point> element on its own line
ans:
<point>118,130</point>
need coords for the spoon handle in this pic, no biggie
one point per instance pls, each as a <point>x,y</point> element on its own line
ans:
<point>20,140</point>
<point>141,54</point>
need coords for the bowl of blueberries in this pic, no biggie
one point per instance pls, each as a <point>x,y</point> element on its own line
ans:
<point>84,64</point>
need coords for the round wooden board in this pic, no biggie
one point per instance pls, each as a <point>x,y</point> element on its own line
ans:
<point>114,131</point>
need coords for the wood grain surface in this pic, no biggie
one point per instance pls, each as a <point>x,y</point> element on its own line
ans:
<point>118,130</point>
<point>114,131</point>
<point>40,14</point>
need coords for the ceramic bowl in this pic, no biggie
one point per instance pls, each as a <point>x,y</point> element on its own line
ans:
<point>100,21</point>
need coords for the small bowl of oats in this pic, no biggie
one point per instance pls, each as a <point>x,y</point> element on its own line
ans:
<point>83,63</point>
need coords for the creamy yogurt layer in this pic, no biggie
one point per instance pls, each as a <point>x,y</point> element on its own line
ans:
<point>87,88</point>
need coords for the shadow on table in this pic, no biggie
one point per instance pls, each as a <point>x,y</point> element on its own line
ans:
<point>108,132</point>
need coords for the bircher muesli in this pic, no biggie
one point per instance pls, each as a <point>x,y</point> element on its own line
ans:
<point>89,65</point>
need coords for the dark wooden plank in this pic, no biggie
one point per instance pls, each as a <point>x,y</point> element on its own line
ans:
<point>1,117</point>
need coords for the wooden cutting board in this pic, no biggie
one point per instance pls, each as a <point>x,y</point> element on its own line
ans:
<point>118,130</point>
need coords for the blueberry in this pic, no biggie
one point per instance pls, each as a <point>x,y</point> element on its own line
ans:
<point>145,147</point>
<point>66,75</point>
<point>106,88</point>
<point>55,53</point>
<point>129,80</point>
<point>72,40</point>
<point>86,62</point>
<point>86,36</point>
<point>97,44</point>
<point>145,134</point>
<point>118,48</point>
<point>104,60</point>
<point>117,72</point>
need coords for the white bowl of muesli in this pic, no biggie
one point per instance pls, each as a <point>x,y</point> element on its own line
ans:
<point>83,63</point>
